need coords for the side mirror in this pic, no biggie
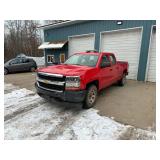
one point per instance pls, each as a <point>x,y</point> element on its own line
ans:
<point>105,64</point>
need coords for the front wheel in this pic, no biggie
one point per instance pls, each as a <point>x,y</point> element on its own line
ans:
<point>91,97</point>
<point>5,71</point>
<point>123,81</point>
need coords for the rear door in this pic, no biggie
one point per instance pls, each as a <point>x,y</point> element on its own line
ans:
<point>26,64</point>
<point>106,73</point>
<point>115,69</point>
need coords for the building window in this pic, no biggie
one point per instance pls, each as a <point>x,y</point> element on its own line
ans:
<point>62,58</point>
<point>50,59</point>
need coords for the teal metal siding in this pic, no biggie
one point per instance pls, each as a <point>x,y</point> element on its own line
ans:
<point>98,26</point>
<point>144,52</point>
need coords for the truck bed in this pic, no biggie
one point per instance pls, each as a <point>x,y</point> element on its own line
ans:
<point>124,64</point>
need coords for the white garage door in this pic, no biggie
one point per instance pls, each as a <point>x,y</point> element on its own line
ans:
<point>125,44</point>
<point>151,76</point>
<point>81,43</point>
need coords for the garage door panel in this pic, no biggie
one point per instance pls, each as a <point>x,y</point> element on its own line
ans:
<point>151,74</point>
<point>126,46</point>
<point>81,44</point>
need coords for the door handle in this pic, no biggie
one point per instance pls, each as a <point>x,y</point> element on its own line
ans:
<point>111,69</point>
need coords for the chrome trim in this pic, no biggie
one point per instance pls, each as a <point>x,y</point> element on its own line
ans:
<point>72,76</point>
<point>50,74</point>
<point>49,89</point>
<point>50,82</point>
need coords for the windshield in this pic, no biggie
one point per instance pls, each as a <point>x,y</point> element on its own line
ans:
<point>83,60</point>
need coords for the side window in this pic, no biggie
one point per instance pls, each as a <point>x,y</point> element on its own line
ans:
<point>20,61</point>
<point>25,60</point>
<point>50,59</point>
<point>113,60</point>
<point>15,61</point>
<point>12,62</point>
<point>104,59</point>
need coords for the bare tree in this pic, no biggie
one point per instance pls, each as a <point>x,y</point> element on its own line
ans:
<point>21,37</point>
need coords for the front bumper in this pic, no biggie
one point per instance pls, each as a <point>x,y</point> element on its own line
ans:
<point>69,96</point>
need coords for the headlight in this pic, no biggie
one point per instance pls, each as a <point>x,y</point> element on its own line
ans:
<point>72,81</point>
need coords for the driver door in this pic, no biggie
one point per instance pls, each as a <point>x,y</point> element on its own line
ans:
<point>13,65</point>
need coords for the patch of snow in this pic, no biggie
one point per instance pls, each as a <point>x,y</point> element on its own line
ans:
<point>90,125</point>
<point>140,134</point>
<point>15,96</point>
<point>37,123</point>
<point>19,101</point>
<point>28,116</point>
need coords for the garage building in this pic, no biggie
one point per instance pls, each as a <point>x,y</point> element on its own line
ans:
<point>131,40</point>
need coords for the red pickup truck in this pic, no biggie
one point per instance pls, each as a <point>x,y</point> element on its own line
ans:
<point>81,77</point>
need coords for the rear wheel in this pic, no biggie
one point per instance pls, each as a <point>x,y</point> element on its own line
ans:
<point>5,71</point>
<point>91,97</point>
<point>123,81</point>
<point>32,69</point>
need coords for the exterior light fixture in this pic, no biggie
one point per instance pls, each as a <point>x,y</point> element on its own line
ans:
<point>119,22</point>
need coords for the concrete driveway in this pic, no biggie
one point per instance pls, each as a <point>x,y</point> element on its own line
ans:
<point>133,104</point>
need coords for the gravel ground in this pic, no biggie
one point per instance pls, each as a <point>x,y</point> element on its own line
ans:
<point>27,116</point>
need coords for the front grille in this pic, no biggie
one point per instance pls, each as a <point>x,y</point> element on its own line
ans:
<point>52,78</point>
<point>52,83</point>
<point>51,86</point>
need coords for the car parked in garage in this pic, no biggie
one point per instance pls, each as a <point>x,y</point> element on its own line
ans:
<point>20,64</point>
<point>81,77</point>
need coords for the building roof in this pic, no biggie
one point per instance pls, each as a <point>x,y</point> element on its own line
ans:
<point>52,45</point>
<point>61,23</point>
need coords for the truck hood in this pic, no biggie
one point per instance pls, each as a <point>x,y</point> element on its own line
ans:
<point>66,70</point>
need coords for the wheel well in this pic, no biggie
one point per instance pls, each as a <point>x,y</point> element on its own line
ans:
<point>95,82</point>
<point>125,71</point>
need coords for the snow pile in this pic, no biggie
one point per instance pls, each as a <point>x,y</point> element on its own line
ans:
<point>15,96</point>
<point>19,101</point>
<point>39,60</point>
<point>89,125</point>
<point>39,123</point>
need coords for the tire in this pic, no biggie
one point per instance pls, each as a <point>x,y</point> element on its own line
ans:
<point>5,71</point>
<point>32,69</point>
<point>122,82</point>
<point>91,97</point>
